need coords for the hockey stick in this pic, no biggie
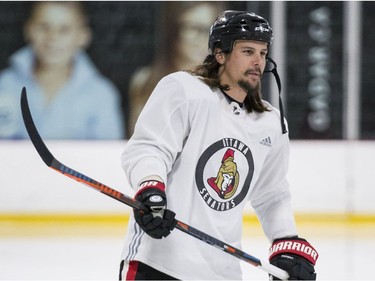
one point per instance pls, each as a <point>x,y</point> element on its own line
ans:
<point>53,163</point>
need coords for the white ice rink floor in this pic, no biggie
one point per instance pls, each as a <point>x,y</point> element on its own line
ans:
<point>346,253</point>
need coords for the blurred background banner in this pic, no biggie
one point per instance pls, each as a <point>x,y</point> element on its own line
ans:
<point>323,50</point>
<point>314,57</point>
<point>367,70</point>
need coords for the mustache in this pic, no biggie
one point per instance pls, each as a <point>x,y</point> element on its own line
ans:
<point>255,70</point>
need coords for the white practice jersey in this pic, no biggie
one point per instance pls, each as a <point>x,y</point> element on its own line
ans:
<point>213,157</point>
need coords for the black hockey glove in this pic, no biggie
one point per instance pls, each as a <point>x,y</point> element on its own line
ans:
<point>158,222</point>
<point>296,256</point>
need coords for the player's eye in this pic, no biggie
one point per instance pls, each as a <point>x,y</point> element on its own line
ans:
<point>248,51</point>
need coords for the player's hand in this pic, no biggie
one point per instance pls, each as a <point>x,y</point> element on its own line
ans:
<point>296,256</point>
<point>158,222</point>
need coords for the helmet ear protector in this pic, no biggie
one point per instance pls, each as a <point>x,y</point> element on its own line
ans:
<point>231,26</point>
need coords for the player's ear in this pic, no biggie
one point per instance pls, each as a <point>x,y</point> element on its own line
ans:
<point>219,56</point>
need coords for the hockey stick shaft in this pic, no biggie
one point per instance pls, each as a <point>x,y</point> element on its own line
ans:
<point>53,163</point>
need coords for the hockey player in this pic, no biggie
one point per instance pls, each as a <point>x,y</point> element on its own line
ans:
<point>205,144</point>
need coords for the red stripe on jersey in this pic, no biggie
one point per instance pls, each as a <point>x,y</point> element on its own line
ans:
<point>132,270</point>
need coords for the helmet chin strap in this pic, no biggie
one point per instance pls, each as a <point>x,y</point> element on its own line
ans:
<point>277,78</point>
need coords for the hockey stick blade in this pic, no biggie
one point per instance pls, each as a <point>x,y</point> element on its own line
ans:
<point>53,163</point>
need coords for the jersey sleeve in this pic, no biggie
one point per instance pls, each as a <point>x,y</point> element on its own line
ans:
<point>270,197</point>
<point>159,133</point>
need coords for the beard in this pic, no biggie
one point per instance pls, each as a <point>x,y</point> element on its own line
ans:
<point>251,91</point>
<point>253,99</point>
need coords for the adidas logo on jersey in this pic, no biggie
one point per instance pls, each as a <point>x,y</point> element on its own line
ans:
<point>266,141</point>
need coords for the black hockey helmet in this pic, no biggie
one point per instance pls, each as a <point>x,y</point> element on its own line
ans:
<point>233,25</point>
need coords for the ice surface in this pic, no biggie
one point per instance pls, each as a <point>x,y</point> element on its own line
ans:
<point>345,254</point>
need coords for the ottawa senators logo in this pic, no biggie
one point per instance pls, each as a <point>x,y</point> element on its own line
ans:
<point>226,182</point>
<point>224,173</point>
